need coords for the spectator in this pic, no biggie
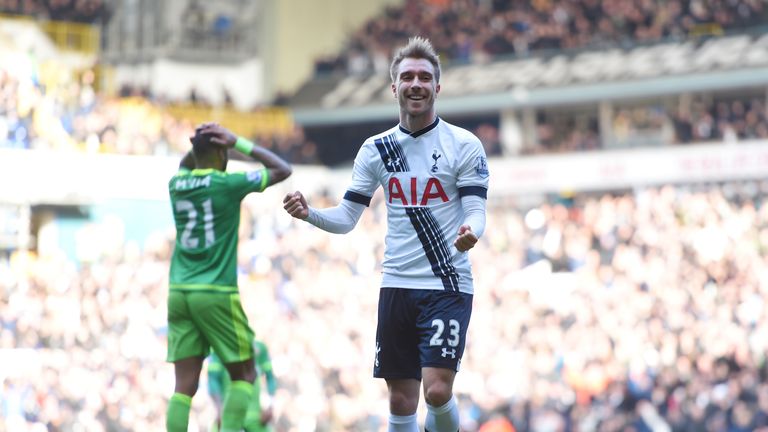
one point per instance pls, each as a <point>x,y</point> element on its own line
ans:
<point>522,27</point>
<point>612,341</point>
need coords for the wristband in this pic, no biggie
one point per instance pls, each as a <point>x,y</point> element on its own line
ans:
<point>244,146</point>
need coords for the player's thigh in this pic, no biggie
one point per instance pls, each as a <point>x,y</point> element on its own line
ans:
<point>442,327</point>
<point>185,338</point>
<point>223,322</point>
<point>397,353</point>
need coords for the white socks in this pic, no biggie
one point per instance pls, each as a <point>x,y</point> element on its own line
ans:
<point>444,418</point>
<point>403,423</point>
<point>439,419</point>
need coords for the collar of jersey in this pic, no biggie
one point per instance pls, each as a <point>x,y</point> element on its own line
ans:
<point>421,132</point>
<point>203,171</point>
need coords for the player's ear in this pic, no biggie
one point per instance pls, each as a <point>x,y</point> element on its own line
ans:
<point>394,90</point>
<point>437,89</point>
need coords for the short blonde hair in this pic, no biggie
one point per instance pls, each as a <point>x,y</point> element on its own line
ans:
<point>419,48</point>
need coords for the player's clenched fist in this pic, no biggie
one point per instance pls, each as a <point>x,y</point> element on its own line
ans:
<point>296,205</point>
<point>466,239</point>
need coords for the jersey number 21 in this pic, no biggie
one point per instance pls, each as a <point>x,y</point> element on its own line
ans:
<point>187,240</point>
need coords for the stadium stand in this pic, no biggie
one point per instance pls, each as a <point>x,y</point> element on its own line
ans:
<point>79,11</point>
<point>622,284</point>
<point>52,104</point>
<point>598,312</point>
<point>678,114</point>
<point>524,28</point>
<point>576,75</point>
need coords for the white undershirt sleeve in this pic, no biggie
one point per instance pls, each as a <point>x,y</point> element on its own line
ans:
<point>338,220</point>
<point>474,213</point>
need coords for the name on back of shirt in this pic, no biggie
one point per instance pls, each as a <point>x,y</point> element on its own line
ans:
<point>187,183</point>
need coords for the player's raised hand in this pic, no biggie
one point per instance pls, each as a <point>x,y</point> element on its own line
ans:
<point>202,126</point>
<point>466,239</point>
<point>217,134</point>
<point>296,205</point>
<point>199,127</point>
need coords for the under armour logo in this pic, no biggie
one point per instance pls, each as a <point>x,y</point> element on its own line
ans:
<point>376,360</point>
<point>393,162</point>
<point>435,156</point>
<point>449,352</point>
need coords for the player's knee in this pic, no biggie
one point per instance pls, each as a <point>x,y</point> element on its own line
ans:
<point>187,387</point>
<point>242,371</point>
<point>243,374</point>
<point>438,393</point>
<point>402,404</point>
<point>250,375</point>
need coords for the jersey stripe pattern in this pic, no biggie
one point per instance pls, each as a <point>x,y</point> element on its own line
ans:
<point>391,154</point>
<point>423,174</point>
<point>435,246</point>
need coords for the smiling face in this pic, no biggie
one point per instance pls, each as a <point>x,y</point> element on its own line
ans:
<point>416,88</point>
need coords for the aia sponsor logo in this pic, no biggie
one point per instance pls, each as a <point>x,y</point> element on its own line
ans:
<point>408,193</point>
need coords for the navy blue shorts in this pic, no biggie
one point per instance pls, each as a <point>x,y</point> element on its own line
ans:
<point>420,328</point>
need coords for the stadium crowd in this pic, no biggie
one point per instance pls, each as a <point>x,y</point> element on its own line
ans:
<point>522,28</point>
<point>46,106</point>
<point>630,311</point>
<point>43,110</point>
<point>80,11</point>
<point>702,118</point>
<point>642,310</point>
<point>62,113</point>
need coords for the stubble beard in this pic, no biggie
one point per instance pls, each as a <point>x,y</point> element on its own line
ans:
<point>417,109</point>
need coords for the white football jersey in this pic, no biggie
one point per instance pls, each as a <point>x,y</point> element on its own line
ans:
<point>424,175</point>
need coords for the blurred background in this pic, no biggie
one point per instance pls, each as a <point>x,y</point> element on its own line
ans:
<point>622,281</point>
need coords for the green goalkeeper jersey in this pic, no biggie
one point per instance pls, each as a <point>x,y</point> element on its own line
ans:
<point>206,211</point>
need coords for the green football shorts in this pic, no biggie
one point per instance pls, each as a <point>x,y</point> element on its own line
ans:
<point>199,321</point>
